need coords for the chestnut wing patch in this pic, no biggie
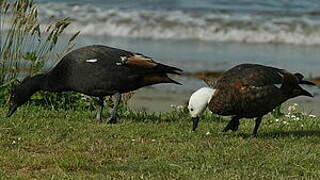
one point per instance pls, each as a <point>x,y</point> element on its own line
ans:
<point>137,60</point>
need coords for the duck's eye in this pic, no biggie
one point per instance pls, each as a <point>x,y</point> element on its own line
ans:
<point>191,109</point>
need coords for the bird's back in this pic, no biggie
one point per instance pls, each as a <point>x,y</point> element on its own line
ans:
<point>250,75</point>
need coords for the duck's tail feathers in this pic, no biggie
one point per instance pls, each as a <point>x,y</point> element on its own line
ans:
<point>305,93</point>
<point>173,81</point>
<point>291,85</point>
<point>307,83</point>
<point>300,77</point>
<point>168,69</point>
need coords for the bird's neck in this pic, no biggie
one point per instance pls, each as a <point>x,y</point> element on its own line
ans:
<point>31,85</point>
<point>208,93</point>
<point>37,83</point>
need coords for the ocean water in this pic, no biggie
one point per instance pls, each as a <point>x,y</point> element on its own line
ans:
<point>250,21</point>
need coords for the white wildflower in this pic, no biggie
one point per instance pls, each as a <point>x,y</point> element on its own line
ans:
<point>133,140</point>
<point>208,133</point>
<point>14,142</point>
<point>290,116</point>
<point>180,107</point>
<point>313,116</point>
<point>277,120</point>
<point>153,140</point>
<point>297,118</point>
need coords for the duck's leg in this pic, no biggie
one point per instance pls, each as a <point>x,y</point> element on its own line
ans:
<point>113,117</point>
<point>233,124</point>
<point>256,127</point>
<point>100,109</point>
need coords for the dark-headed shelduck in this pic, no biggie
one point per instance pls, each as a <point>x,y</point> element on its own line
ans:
<point>247,91</point>
<point>97,71</point>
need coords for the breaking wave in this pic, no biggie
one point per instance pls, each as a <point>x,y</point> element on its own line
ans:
<point>267,27</point>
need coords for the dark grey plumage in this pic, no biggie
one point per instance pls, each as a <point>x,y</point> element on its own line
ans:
<point>97,71</point>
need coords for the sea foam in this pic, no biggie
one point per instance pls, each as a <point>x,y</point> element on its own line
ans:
<point>203,26</point>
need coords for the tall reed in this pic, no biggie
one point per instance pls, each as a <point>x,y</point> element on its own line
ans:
<point>26,45</point>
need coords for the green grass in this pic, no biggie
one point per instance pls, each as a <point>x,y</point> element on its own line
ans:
<point>42,144</point>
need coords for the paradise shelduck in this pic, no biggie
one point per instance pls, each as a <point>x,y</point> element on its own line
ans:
<point>97,71</point>
<point>247,91</point>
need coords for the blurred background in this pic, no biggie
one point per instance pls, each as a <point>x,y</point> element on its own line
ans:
<point>199,36</point>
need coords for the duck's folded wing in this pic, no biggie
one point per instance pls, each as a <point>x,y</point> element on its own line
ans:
<point>252,75</point>
<point>137,60</point>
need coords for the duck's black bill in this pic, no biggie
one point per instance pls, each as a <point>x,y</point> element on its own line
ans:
<point>12,109</point>
<point>195,121</point>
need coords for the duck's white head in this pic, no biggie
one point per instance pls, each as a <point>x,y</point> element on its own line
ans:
<point>198,102</point>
